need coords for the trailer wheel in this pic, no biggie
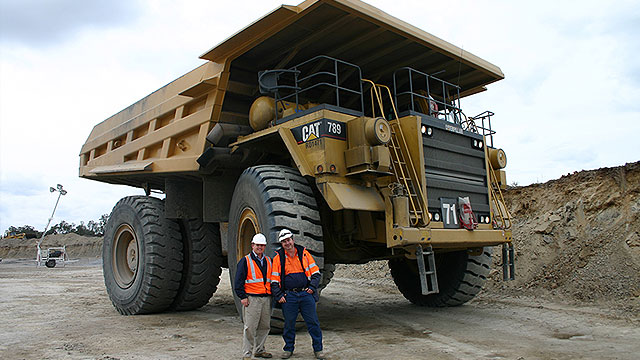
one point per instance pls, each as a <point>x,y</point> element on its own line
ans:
<point>141,256</point>
<point>201,264</point>
<point>267,199</point>
<point>50,263</point>
<point>460,278</point>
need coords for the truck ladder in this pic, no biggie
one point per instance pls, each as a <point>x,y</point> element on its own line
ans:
<point>404,170</point>
<point>428,278</point>
<point>508,262</point>
<point>501,215</point>
<point>502,220</point>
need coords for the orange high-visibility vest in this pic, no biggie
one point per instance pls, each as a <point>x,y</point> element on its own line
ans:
<point>255,284</point>
<point>307,265</point>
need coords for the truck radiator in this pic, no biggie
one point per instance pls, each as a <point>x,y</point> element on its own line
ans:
<point>454,167</point>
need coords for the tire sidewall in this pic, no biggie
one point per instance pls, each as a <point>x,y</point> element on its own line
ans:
<point>451,268</point>
<point>246,194</point>
<point>202,260</point>
<point>123,213</point>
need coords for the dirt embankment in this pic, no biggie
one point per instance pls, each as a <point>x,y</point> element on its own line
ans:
<point>577,237</point>
<point>77,246</point>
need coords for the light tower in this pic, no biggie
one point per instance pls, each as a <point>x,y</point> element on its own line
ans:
<point>61,191</point>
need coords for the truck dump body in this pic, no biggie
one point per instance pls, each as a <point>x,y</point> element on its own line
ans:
<point>162,135</point>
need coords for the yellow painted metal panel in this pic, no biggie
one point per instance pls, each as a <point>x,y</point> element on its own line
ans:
<point>352,197</point>
<point>128,167</point>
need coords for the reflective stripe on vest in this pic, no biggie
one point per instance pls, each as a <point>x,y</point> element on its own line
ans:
<point>253,283</point>
<point>309,266</point>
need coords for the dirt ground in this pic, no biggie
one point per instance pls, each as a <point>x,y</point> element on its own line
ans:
<point>576,295</point>
<point>64,313</point>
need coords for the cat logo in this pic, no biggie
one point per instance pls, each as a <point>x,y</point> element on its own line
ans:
<point>311,131</point>
<point>319,129</point>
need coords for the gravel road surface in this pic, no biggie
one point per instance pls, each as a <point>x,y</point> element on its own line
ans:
<point>64,313</point>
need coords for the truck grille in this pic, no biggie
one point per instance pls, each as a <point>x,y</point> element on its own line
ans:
<point>453,167</point>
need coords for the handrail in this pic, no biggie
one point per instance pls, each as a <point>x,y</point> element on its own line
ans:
<point>450,103</point>
<point>328,75</point>
<point>504,219</point>
<point>402,155</point>
<point>486,128</point>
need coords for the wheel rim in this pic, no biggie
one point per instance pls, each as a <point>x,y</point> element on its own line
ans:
<point>247,227</point>
<point>125,256</point>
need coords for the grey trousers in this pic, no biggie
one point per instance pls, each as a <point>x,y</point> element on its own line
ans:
<point>257,322</point>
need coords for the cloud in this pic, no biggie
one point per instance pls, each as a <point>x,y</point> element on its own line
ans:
<point>52,96</point>
<point>45,22</point>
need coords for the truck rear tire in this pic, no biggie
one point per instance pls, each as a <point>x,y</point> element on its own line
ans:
<point>201,264</point>
<point>327,275</point>
<point>141,256</point>
<point>460,278</point>
<point>267,199</point>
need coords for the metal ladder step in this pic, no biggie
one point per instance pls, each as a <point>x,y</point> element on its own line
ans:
<point>508,262</point>
<point>428,278</point>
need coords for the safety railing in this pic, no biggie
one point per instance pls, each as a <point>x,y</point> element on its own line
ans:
<point>404,169</point>
<point>480,124</point>
<point>321,80</point>
<point>501,216</point>
<point>418,91</point>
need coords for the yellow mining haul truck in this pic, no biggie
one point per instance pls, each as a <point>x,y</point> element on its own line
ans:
<point>330,118</point>
<point>14,235</point>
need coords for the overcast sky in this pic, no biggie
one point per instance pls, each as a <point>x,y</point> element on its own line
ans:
<point>570,100</point>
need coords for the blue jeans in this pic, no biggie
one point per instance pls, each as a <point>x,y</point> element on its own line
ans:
<point>304,303</point>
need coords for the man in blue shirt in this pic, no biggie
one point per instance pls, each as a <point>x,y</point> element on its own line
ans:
<point>295,279</point>
<point>252,285</point>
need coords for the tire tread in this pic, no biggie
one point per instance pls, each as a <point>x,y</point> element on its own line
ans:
<point>202,265</point>
<point>463,280</point>
<point>162,260</point>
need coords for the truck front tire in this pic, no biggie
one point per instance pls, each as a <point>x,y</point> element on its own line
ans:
<point>268,199</point>
<point>141,256</point>
<point>460,278</point>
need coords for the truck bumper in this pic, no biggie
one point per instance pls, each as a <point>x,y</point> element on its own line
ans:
<point>448,238</point>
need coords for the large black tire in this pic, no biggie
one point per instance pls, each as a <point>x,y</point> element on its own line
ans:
<point>327,275</point>
<point>268,199</point>
<point>460,278</point>
<point>141,256</point>
<point>202,263</point>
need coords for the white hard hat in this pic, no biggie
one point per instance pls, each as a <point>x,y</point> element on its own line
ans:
<point>259,239</point>
<point>284,234</point>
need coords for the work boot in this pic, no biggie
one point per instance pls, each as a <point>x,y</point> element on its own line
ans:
<point>319,355</point>
<point>263,354</point>
<point>286,354</point>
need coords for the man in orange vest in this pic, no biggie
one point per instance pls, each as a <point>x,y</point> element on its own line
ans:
<point>253,286</point>
<point>294,284</point>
